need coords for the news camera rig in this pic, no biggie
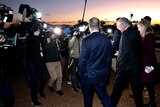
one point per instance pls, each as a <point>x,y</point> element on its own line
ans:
<point>33,23</point>
<point>6,15</point>
<point>81,28</point>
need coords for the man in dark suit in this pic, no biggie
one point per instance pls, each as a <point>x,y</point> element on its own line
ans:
<point>128,63</point>
<point>116,39</point>
<point>94,65</point>
<point>115,46</point>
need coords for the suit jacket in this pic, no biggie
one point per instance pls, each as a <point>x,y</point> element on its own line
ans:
<point>148,57</point>
<point>95,58</point>
<point>116,40</point>
<point>129,58</point>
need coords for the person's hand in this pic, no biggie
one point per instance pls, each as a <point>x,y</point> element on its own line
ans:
<point>2,38</point>
<point>8,24</point>
<point>36,33</point>
<point>148,69</point>
<point>116,54</point>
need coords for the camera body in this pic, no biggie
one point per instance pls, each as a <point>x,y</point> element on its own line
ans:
<point>6,13</point>
<point>6,16</point>
<point>34,21</point>
<point>81,28</point>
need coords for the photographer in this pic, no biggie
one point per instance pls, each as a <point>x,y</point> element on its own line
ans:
<point>74,47</point>
<point>29,40</point>
<point>35,65</point>
<point>7,98</point>
<point>52,56</point>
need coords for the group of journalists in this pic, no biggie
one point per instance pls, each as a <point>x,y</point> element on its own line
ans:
<point>46,57</point>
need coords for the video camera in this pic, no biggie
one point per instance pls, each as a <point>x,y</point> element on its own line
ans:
<point>6,15</point>
<point>34,22</point>
<point>81,28</point>
<point>28,11</point>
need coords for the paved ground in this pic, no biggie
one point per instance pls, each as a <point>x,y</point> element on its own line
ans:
<point>69,99</point>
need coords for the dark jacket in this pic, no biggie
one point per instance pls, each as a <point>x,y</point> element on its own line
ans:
<point>129,58</point>
<point>116,40</point>
<point>95,58</point>
<point>148,57</point>
<point>50,51</point>
<point>33,49</point>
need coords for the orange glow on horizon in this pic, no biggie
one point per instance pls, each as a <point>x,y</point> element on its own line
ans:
<point>110,11</point>
<point>71,11</point>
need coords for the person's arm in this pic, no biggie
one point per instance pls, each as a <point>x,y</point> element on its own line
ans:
<point>116,40</point>
<point>73,39</point>
<point>124,50</point>
<point>150,49</point>
<point>71,42</point>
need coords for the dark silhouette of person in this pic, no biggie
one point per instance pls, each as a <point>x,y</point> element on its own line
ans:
<point>116,40</point>
<point>128,63</point>
<point>95,65</point>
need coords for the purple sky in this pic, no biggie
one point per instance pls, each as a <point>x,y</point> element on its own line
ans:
<point>71,10</point>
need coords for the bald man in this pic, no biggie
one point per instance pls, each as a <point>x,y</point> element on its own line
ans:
<point>95,64</point>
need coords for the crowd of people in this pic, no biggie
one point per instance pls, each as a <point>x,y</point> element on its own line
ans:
<point>46,57</point>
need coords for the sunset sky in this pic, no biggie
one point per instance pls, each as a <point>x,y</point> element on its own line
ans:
<point>107,10</point>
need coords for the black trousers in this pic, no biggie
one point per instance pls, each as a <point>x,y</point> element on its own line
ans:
<point>7,97</point>
<point>123,79</point>
<point>151,91</point>
<point>88,90</point>
<point>38,75</point>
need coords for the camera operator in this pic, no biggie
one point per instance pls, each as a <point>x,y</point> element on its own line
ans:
<point>74,52</point>
<point>34,62</point>
<point>7,98</point>
<point>51,50</point>
<point>29,45</point>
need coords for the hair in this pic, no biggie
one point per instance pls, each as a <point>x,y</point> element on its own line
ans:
<point>94,22</point>
<point>118,18</point>
<point>125,21</point>
<point>146,25</point>
<point>147,18</point>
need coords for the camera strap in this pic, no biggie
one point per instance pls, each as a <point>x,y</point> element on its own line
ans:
<point>58,47</point>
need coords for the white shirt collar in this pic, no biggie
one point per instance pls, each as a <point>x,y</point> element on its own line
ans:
<point>94,31</point>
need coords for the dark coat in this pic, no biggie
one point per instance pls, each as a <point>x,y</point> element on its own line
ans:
<point>129,58</point>
<point>149,57</point>
<point>116,40</point>
<point>95,58</point>
<point>50,51</point>
<point>33,49</point>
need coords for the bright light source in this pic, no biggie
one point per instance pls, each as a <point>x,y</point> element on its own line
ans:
<point>82,28</point>
<point>38,15</point>
<point>10,12</point>
<point>5,19</point>
<point>109,30</point>
<point>57,30</point>
<point>44,25</point>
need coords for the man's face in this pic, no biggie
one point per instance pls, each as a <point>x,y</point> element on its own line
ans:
<point>120,26</point>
